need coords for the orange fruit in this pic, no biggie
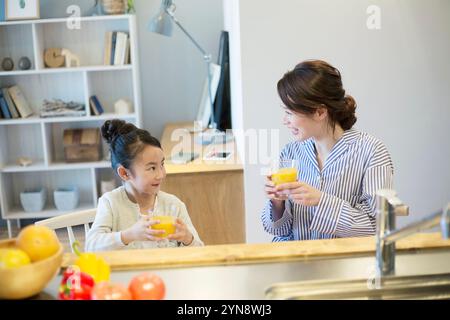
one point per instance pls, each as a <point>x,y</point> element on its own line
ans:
<point>38,242</point>
<point>13,258</point>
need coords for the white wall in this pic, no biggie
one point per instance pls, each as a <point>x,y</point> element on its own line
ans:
<point>172,69</point>
<point>399,75</point>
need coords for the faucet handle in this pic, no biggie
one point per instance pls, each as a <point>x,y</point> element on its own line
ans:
<point>401,210</point>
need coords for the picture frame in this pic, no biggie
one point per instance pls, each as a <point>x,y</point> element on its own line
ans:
<point>22,9</point>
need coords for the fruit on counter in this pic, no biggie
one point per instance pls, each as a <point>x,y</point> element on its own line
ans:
<point>76,285</point>
<point>284,175</point>
<point>147,286</point>
<point>13,258</point>
<point>110,291</point>
<point>166,224</point>
<point>38,242</point>
<point>92,264</point>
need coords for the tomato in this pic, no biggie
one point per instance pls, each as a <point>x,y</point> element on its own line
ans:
<point>147,286</point>
<point>110,291</point>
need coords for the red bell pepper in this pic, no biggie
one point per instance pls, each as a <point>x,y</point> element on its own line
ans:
<point>76,285</point>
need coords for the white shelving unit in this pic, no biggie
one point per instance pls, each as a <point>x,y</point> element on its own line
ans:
<point>41,138</point>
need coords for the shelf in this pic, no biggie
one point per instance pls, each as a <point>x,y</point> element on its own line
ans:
<point>35,119</point>
<point>66,70</point>
<point>49,212</point>
<point>40,166</point>
<point>63,20</point>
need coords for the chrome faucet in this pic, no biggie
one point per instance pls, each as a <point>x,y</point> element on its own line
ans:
<point>388,206</point>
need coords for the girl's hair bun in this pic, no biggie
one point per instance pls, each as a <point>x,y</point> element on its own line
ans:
<point>111,129</point>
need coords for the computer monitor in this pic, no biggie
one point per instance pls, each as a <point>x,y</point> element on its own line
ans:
<point>204,109</point>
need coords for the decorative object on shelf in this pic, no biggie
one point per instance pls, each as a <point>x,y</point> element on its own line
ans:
<point>59,108</point>
<point>130,7</point>
<point>7,64</point>
<point>24,63</point>
<point>24,162</point>
<point>33,200</point>
<point>123,106</point>
<point>114,6</point>
<point>72,60</point>
<point>96,106</point>
<point>66,199</point>
<point>22,9</point>
<point>53,58</point>
<point>107,186</point>
<point>82,145</point>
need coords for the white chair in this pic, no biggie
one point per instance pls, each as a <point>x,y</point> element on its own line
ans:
<point>70,220</point>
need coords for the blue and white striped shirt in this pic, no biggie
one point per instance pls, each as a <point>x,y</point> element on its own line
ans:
<point>357,166</point>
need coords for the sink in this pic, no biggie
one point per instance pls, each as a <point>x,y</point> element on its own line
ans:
<point>392,287</point>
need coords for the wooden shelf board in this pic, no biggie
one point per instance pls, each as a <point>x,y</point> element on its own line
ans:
<point>64,20</point>
<point>67,70</point>
<point>55,166</point>
<point>38,120</point>
<point>48,212</point>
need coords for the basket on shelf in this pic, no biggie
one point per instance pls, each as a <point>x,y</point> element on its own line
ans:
<point>114,6</point>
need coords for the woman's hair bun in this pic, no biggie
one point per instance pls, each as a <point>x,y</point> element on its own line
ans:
<point>111,129</point>
<point>348,117</point>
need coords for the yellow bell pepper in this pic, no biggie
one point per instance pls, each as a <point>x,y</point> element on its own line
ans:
<point>92,264</point>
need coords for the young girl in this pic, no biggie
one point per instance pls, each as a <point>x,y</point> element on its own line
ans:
<point>124,215</point>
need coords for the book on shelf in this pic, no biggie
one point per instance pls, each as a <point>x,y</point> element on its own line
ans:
<point>108,48</point>
<point>2,10</point>
<point>4,107</point>
<point>117,48</point>
<point>113,47</point>
<point>10,103</point>
<point>96,106</point>
<point>128,52</point>
<point>20,102</point>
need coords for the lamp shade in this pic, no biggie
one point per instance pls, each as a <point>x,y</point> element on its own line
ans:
<point>162,23</point>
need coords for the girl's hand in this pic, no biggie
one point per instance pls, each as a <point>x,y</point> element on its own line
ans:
<point>301,193</point>
<point>141,231</point>
<point>182,233</point>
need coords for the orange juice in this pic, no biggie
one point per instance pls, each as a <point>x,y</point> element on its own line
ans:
<point>166,224</point>
<point>284,175</point>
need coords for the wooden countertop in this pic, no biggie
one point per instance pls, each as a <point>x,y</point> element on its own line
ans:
<point>257,253</point>
<point>176,138</point>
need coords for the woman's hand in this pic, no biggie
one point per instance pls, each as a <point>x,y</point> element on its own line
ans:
<point>271,191</point>
<point>141,231</point>
<point>182,233</point>
<point>301,193</point>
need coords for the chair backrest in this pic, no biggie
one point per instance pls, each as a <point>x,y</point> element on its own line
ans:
<point>70,220</point>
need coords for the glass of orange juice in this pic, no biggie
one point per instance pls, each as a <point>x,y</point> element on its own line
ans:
<point>284,171</point>
<point>166,224</point>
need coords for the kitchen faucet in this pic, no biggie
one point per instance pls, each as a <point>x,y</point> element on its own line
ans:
<point>388,206</point>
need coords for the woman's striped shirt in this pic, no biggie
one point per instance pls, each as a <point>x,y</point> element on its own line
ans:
<point>357,166</point>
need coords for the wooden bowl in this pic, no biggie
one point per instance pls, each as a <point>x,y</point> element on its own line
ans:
<point>27,281</point>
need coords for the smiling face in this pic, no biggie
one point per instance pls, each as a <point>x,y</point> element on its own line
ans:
<point>147,171</point>
<point>304,127</point>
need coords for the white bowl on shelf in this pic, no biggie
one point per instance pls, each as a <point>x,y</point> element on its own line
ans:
<point>66,199</point>
<point>33,200</point>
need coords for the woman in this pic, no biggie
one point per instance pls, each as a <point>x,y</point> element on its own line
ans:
<point>340,168</point>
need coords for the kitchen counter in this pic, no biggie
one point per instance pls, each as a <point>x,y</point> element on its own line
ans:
<point>258,253</point>
<point>246,271</point>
